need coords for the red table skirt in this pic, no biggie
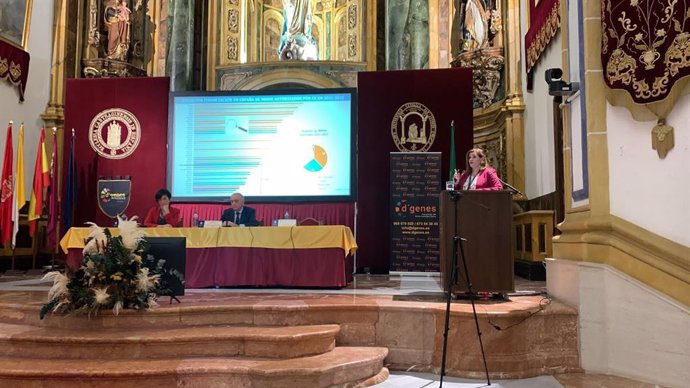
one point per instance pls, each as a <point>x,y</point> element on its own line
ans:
<point>262,267</point>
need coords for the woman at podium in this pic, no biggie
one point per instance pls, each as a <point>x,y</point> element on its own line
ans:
<point>477,174</point>
<point>162,215</point>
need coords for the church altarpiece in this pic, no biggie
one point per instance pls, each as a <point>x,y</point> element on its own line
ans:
<point>243,38</point>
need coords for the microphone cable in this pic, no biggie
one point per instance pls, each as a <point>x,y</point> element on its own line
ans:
<point>545,301</point>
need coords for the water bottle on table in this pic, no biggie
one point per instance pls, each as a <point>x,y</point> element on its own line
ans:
<point>195,220</point>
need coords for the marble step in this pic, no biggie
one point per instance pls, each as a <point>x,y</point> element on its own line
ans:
<point>341,367</point>
<point>253,312</point>
<point>24,341</point>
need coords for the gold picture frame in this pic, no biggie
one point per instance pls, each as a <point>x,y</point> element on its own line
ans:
<point>15,16</point>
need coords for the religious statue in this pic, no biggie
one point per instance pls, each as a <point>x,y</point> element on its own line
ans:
<point>414,49</point>
<point>296,41</point>
<point>117,22</point>
<point>476,28</point>
<point>476,23</point>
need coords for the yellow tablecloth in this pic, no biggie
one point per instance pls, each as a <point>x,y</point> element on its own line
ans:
<point>277,237</point>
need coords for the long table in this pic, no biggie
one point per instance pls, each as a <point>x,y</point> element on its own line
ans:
<point>296,256</point>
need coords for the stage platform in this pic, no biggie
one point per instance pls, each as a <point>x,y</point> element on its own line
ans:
<point>329,337</point>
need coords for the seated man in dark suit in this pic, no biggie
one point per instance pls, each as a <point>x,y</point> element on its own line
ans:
<point>238,214</point>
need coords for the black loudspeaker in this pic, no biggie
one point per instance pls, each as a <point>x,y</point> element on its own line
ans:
<point>174,251</point>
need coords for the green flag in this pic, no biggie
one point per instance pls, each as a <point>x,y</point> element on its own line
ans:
<point>451,169</point>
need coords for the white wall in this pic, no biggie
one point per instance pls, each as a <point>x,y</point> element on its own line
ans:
<point>626,328</point>
<point>648,191</point>
<point>37,92</point>
<point>540,175</point>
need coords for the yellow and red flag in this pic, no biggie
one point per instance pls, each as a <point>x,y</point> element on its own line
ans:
<point>41,182</point>
<point>19,192</point>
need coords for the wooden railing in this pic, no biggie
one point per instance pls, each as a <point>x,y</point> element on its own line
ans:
<point>533,233</point>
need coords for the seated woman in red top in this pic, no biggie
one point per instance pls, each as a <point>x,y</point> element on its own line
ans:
<point>163,215</point>
<point>477,174</point>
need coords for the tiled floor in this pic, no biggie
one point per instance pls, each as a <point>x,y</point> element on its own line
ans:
<point>25,287</point>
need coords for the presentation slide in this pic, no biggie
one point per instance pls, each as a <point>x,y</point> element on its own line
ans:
<point>264,146</point>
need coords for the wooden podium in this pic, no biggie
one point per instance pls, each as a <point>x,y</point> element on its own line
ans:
<point>484,220</point>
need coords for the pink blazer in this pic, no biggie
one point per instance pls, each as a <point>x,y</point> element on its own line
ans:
<point>486,180</point>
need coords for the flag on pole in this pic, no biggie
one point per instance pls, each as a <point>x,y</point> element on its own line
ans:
<point>453,165</point>
<point>6,191</point>
<point>41,182</point>
<point>53,208</point>
<point>71,190</point>
<point>19,191</point>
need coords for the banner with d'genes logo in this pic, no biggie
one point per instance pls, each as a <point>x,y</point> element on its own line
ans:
<point>414,205</point>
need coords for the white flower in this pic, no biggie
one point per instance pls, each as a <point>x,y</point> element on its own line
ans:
<point>117,307</point>
<point>97,240</point>
<point>143,280</point>
<point>152,301</point>
<point>101,295</point>
<point>131,235</point>
<point>59,287</point>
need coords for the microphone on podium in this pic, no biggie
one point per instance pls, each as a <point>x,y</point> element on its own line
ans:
<point>511,187</point>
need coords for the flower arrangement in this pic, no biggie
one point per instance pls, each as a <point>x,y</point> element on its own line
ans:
<point>116,273</point>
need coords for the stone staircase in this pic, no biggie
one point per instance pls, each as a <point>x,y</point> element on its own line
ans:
<point>178,346</point>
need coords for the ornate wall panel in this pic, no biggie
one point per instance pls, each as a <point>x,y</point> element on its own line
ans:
<point>272,26</point>
<point>230,32</point>
<point>341,35</point>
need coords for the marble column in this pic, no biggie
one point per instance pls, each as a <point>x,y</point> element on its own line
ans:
<point>180,59</point>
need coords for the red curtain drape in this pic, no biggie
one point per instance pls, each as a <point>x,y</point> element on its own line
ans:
<point>14,66</point>
<point>544,21</point>
<point>339,213</point>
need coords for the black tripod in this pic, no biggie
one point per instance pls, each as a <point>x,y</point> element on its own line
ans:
<point>450,282</point>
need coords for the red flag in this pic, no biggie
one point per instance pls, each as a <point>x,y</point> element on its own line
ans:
<point>7,191</point>
<point>41,182</point>
<point>53,208</point>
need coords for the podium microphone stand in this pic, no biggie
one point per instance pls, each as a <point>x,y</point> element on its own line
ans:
<point>450,282</point>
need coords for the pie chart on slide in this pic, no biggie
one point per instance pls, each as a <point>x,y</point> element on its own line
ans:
<point>319,160</point>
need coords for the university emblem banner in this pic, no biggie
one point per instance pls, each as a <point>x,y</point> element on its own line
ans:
<point>645,46</point>
<point>120,128</point>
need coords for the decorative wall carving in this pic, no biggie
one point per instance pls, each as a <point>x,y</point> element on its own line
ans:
<point>230,31</point>
<point>233,20</point>
<point>233,50</point>
<point>487,65</point>
<point>346,78</point>
<point>318,74</point>
<point>94,36</point>
<point>230,81</point>
<point>352,16</point>
<point>352,45</point>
